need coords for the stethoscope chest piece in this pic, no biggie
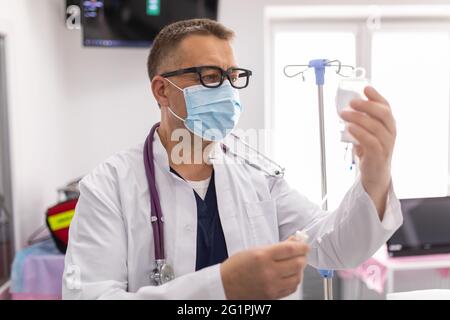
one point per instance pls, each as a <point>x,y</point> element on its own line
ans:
<point>162,273</point>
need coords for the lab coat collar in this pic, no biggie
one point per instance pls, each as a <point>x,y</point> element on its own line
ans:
<point>159,152</point>
<point>161,158</point>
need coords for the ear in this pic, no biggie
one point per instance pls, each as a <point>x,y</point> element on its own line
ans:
<point>159,91</point>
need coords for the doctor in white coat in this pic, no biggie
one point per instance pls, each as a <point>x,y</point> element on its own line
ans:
<point>246,252</point>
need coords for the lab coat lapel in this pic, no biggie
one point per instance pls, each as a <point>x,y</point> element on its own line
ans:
<point>227,203</point>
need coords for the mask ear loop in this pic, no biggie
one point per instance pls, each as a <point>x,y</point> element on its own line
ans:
<point>175,115</point>
<point>174,85</point>
<point>170,109</point>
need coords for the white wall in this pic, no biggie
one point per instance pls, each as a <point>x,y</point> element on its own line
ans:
<point>71,107</point>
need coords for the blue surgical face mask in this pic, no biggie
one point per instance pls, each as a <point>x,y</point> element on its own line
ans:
<point>212,113</point>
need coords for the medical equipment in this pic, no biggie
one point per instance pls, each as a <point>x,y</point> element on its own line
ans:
<point>319,66</point>
<point>162,272</point>
<point>350,88</point>
<point>260,162</point>
<point>211,112</point>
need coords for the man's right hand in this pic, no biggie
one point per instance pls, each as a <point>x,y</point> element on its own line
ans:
<point>269,272</point>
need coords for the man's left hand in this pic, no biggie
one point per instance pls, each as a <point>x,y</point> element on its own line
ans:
<point>372,124</point>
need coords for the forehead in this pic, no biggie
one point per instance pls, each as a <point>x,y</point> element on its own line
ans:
<point>197,50</point>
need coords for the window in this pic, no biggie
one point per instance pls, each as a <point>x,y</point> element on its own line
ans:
<point>410,65</point>
<point>406,58</point>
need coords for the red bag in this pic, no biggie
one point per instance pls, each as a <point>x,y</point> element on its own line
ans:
<point>58,222</point>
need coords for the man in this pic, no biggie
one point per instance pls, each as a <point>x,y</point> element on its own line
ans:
<point>227,226</point>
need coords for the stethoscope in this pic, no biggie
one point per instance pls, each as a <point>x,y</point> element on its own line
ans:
<point>162,272</point>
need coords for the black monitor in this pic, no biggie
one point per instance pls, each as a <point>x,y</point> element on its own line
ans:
<point>425,229</point>
<point>135,23</point>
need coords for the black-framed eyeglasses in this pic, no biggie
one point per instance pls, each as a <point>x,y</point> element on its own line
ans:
<point>213,76</point>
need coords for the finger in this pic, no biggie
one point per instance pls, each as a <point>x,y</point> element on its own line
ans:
<point>368,141</point>
<point>372,125</point>
<point>291,283</point>
<point>376,110</point>
<point>358,151</point>
<point>290,267</point>
<point>288,249</point>
<point>372,94</point>
<point>285,291</point>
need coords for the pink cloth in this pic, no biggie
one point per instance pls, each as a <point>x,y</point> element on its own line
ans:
<point>373,272</point>
<point>34,296</point>
<point>42,275</point>
<point>37,275</point>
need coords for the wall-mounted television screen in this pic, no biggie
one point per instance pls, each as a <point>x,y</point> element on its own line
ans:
<point>135,23</point>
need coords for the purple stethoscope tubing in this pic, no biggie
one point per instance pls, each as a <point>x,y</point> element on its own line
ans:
<point>155,205</point>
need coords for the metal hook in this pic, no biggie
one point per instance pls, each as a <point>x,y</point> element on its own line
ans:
<point>339,67</point>
<point>306,67</point>
<point>331,63</point>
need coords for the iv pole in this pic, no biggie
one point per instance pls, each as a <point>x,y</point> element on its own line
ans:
<point>319,66</point>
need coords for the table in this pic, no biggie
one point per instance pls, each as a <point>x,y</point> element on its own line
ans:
<point>37,272</point>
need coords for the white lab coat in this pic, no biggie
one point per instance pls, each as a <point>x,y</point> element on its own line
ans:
<point>111,251</point>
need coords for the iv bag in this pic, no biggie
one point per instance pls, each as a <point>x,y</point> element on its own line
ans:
<point>349,89</point>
